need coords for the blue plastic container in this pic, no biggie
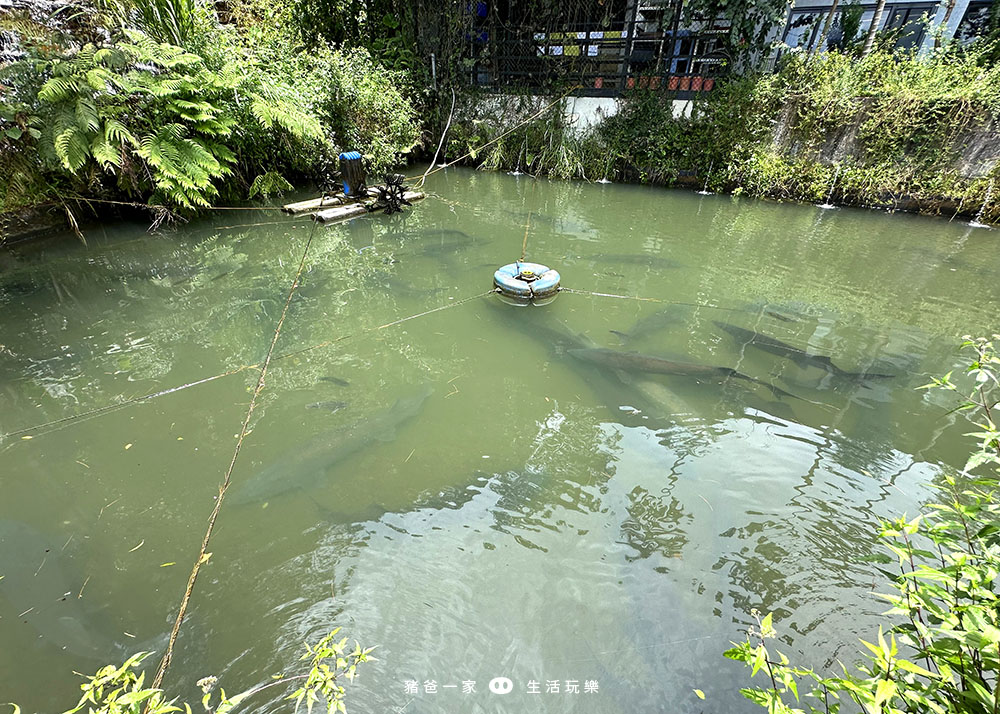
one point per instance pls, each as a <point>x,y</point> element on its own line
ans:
<point>350,165</point>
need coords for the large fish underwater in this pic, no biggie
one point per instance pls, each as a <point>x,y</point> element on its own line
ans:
<point>39,590</point>
<point>305,464</point>
<point>799,356</point>
<point>635,362</point>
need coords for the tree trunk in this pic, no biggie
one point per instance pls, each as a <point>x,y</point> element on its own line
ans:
<point>944,23</point>
<point>826,29</point>
<point>876,21</point>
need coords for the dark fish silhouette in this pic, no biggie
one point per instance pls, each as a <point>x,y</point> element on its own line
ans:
<point>651,261</point>
<point>452,233</point>
<point>798,356</point>
<point>779,316</point>
<point>434,247</point>
<point>617,387</point>
<point>653,322</point>
<point>330,406</point>
<point>336,380</point>
<point>305,464</point>
<point>635,362</point>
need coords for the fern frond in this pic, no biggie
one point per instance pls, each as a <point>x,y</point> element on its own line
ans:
<point>98,78</point>
<point>221,152</point>
<point>86,113</point>
<point>85,55</point>
<point>72,148</point>
<point>115,131</point>
<point>144,49</point>
<point>269,184</point>
<point>106,154</point>
<point>56,89</point>
<point>110,57</point>
<point>183,168</point>
<point>263,111</point>
<point>270,111</point>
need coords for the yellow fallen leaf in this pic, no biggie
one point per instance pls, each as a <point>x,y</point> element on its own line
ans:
<point>25,438</point>
<point>204,558</point>
<point>128,446</point>
<point>166,565</point>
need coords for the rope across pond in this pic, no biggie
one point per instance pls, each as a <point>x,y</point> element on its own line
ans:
<point>203,553</point>
<point>109,408</point>
<point>591,293</point>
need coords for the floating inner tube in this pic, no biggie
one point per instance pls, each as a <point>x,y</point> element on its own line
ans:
<point>526,281</point>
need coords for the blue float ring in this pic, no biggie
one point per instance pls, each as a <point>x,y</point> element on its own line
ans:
<point>510,283</point>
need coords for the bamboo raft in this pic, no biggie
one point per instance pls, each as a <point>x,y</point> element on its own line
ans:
<point>337,207</point>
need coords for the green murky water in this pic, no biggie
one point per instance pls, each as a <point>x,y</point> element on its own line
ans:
<point>464,489</point>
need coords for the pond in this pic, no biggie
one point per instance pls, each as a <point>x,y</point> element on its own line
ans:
<point>483,490</point>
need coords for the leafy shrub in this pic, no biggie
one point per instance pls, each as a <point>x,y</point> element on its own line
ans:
<point>121,689</point>
<point>942,653</point>
<point>229,115</point>
<point>365,106</point>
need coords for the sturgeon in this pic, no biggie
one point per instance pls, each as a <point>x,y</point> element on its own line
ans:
<point>635,362</point>
<point>37,589</point>
<point>799,356</point>
<point>305,464</point>
<point>620,388</point>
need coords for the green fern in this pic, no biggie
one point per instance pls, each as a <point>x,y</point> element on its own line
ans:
<point>171,126</point>
<point>72,148</point>
<point>269,184</point>
<point>92,117</point>
<point>58,88</point>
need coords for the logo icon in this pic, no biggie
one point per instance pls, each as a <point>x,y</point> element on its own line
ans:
<point>501,685</point>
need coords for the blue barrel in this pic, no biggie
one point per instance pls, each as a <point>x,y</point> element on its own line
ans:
<point>353,173</point>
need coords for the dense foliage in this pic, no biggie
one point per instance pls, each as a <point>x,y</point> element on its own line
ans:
<point>228,114</point>
<point>886,130</point>
<point>881,127</point>
<point>942,652</point>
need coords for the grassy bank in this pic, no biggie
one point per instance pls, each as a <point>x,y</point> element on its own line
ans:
<point>903,132</point>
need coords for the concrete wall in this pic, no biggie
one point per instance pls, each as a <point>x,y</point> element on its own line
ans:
<point>977,148</point>
<point>583,113</point>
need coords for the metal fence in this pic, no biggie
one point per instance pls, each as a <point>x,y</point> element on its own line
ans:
<point>645,49</point>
